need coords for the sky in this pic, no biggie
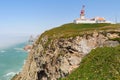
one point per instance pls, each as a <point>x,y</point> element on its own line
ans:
<point>26,17</point>
<point>21,18</point>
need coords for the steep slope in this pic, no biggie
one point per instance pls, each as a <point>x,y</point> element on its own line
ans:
<point>100,64</point>
<point>57,52</point>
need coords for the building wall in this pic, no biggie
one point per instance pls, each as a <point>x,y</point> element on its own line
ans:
<point>83,21</point>
<point>89,21</point>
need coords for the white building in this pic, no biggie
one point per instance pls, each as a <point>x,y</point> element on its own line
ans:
<point>82,19</point>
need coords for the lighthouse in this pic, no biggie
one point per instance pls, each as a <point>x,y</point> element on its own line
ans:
<point>83,20</point>
<point>82,13</point>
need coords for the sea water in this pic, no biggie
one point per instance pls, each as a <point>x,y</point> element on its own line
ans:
<point>12,59</point>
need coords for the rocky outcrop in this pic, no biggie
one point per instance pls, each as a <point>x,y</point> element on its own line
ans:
<point>59,57</point>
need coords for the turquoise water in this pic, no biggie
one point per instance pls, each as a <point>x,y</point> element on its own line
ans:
<point>11,60</point>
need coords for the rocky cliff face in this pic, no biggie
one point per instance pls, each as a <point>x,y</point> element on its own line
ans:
<point>51,60</point>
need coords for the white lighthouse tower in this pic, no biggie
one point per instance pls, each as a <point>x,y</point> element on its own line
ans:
<point>82,13</point>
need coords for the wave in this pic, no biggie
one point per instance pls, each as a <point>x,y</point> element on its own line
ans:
<point>2,51</point>
<point>9,75</point>
<point>24,61</point>
<point>18,49</point>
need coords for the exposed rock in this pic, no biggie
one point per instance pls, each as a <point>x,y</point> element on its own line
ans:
<point>61,56</point>
<point>112,36</point>
<point>111,43</point>
<point>28,48</point>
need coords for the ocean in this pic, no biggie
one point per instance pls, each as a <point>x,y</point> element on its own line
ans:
<point>12,59</point>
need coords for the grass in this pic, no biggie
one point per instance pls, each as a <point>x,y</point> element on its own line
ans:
<point>100,64</point>
<point>71,29</point>
<point>116,39</point>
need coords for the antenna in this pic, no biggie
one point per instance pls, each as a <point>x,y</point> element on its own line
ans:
<point>83,6</point>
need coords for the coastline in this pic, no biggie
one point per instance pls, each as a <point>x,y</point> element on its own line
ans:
<point>11,60</point>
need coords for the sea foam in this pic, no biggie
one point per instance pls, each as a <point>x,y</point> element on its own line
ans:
<point>2,51</point>
<point>9,75</point>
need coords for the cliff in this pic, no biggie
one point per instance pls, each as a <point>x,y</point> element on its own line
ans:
<point>59,51</point>
<point>102,63</point>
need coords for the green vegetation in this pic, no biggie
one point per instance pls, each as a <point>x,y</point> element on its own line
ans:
<point>116,39</point>
<point>71,29</point>
<point>100,64</point>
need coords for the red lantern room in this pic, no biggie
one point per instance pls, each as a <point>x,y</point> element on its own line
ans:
<point>82,13</point>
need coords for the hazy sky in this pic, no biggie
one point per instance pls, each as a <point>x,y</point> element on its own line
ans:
<point>27,17</point>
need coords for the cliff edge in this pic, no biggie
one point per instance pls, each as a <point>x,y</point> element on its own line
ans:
<point>59,51</point>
